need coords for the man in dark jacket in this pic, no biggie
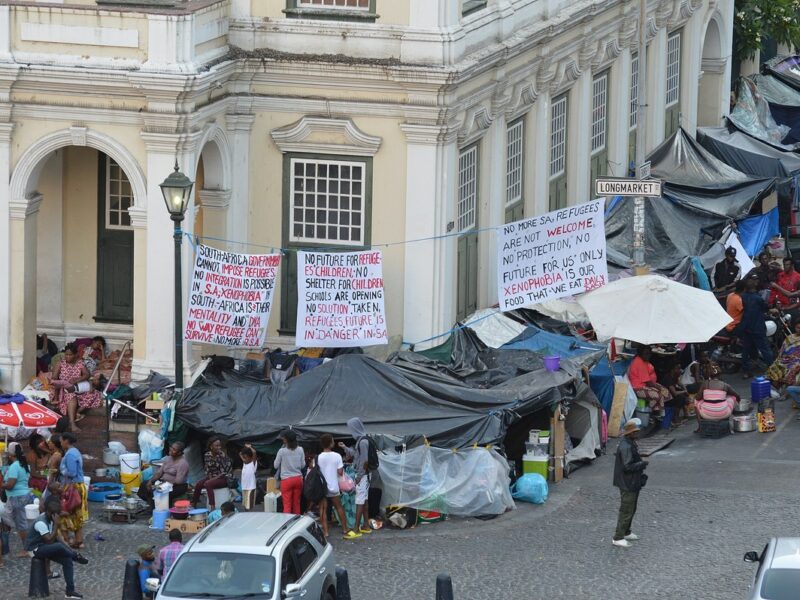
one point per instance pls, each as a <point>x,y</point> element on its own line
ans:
<point>629,477</point>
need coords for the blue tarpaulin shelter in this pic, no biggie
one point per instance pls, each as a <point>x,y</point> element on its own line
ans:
<point>756,231</point>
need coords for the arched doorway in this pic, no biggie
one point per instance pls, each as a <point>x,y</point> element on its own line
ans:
<point>712,99</point>
<point>76,205</point>
<point>212,186</point>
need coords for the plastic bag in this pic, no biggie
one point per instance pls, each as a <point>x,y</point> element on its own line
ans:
<point>531,487</point>
<point>150,445</point>
<point>346,484</point>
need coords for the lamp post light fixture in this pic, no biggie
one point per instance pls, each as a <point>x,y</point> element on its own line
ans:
<point>177,188</point>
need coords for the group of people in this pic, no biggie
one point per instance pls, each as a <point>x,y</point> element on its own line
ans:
<point>54,468</point>
<point>73,388</point>
<point>158,564</point>
<point>714,399</point>
<point>291,467</point>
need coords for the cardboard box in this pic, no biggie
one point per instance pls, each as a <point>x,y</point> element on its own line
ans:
<point>272,485</point>
<point>184,525</point>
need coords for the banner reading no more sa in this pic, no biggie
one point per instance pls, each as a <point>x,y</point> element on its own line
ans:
<point>549,256</point>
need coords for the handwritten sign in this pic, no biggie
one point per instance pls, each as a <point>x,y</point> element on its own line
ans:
<point>340,299</point>
<point>231,297</point>
<point>550,256</point>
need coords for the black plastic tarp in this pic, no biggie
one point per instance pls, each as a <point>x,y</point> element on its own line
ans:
<point>701,195</point>
<point>785,68</point>
<point>452,405</point>
<point>756,158</point>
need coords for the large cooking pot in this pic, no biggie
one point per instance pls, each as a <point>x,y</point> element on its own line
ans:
<point>743,405</point>
<point>744,423</point>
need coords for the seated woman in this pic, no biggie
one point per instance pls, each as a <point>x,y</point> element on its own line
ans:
<point>93,354</point>
<point>72,391</point>
<point>642,376</point>
<point>716,399</point>
<point>785,369</point>
<point>175,470</point>
<point>218,469</point>
<point>679,392</point>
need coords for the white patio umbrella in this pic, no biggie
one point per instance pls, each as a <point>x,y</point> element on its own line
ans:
<point>651,309</point>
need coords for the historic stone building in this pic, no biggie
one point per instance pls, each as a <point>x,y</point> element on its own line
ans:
<point>327,123</point>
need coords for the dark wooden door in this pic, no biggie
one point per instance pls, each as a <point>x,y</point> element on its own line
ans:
<point>467,296</point>
<point>114,244</point>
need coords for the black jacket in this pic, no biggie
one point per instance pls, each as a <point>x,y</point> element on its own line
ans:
<point>628,466</point>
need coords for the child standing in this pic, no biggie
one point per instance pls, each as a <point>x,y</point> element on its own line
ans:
<point>332,467</point>
<point>248,481</point>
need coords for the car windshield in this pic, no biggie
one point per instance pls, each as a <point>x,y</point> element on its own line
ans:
<point>219,575</point>
<point>780,584</point>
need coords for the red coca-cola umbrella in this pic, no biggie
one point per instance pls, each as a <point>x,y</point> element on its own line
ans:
<point>18,411</point>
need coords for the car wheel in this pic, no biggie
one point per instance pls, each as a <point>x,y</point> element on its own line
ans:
<point>329,595</point>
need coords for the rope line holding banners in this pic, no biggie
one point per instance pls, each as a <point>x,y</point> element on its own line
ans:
<point>458,327</point>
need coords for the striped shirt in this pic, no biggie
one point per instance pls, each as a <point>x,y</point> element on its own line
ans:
<point>167,557</point>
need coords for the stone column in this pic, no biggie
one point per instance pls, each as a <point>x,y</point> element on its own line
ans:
<point>619,101</point>
<point>492,210</point>
<point>656,89</point>
<point>538,148</point>
<point>239,127</point>
<point>10,355</point>
<point>430,266</point>
<point>579,131</point>
<point>157,274</point>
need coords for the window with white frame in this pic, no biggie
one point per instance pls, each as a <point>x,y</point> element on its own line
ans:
<point>328,201</point>
<point>634,91</point>
<point>515,139</point>
<point>599,112</point>
<point>468,188</point>
<point>119,196</point>
<point>673,69</point>
<point>334,4</point>
<point>558,137</point>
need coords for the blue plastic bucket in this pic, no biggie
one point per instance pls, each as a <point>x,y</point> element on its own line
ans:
<point>160,519</point>
<point>552,363</point>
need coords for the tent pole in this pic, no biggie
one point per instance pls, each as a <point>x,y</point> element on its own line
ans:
<point>641,130</point>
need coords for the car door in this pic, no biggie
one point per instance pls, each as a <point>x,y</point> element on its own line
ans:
<point>304,556</point>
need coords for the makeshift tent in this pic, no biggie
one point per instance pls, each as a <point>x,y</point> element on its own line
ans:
<point>756,231</point>
<point>784,104</point>
<point>753,116</point>
<point>493,327</point>
<point>785,68</point>
<point>701,194</point>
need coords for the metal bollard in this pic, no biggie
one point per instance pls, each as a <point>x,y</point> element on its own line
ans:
<point>131,589</point>
<point>342,584</point>
<point>444,587</point>
<point>38,586</point>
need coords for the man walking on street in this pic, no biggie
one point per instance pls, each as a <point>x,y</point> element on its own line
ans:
<point>629,477</point>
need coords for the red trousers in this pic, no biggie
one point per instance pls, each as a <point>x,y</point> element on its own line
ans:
<point>291,489</point>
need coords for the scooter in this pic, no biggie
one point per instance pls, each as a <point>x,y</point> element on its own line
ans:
<point>726,350</point>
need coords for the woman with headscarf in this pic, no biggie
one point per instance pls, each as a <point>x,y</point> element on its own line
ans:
<point>289,465</point>
<point>174,470</point>
<point>72,477</point>
<point>18,493</point>
<point>785,369</point>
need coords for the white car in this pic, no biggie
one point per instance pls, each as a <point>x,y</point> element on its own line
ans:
<point>263,556</point>
<point>778,574</point>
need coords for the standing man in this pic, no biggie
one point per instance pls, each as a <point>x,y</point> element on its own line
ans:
<point>785,286</point>
<point>629,477</point>
<point>360,454</point>
<point>43,542</point>
<point>734,306</point>
<point>726,272</point>
<point>752,330</point>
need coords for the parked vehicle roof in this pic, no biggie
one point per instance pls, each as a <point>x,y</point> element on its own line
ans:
<point>250,531</point>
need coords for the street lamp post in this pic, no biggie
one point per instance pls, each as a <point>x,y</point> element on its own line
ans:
<point>176,190</point>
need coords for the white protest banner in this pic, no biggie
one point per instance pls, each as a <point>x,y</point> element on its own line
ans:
<point>231,297</point>
<point>340,299</point>
<point>549,256</point>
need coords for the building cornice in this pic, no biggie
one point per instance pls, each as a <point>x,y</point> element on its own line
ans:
<point>20,209</point>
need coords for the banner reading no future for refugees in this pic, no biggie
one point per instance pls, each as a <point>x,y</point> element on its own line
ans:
<point>560,253</point>
<point>340,299</point>
<point>231,297</point>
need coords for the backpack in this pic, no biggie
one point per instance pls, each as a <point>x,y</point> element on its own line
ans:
<point>315,488</point>
<point>373,462</point>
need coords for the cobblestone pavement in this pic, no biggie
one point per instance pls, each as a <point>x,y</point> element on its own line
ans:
<point>706,503</point>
